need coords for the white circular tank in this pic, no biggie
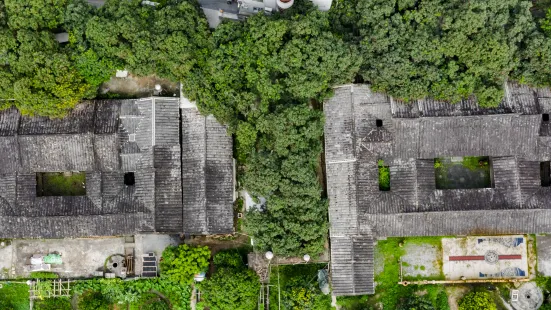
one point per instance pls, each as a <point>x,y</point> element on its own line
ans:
<point>285,4</point>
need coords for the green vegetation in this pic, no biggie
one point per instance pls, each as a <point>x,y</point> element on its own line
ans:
<point>299,287</point>
<point>477,301</point>
<point>180,263</point>
<point>14,296</point>
<point>59,184</point>
<point>384,176</point>
<point>450,174</point>
<point>35,70</point>
<point>232,286</point>
<point>265,77</point>
<point>446,50</point>
<point>59,303</point>
<point>267,100</point>
<point>388,291</point>
<point>103,293</point>
<point>360,302</point>
<point>43,275</point>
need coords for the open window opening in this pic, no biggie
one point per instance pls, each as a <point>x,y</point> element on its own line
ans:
<point>379,122</point>
<point>68,183</point>
<point>545,117</point>
<point>545,173</point>
<point>384,176</point>
<point>129,179</point>
<point>467,172</point>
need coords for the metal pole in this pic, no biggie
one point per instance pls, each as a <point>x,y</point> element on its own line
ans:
<point>278,290</point>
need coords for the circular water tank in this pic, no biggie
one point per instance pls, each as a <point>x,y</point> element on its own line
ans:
<point>285,4</point>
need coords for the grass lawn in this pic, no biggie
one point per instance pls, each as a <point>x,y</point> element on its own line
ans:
<point>299,287</point>
<point>59,184</point>
<point>14,296</point>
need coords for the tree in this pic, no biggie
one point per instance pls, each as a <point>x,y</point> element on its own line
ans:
<point>180,264</point>
<point>167,40</point>
<point>93,301</point>
<point>535,53</point>
<point>477,301</point>
<point>283,171</point>
<point>447,50</point>
<point>231,288</point>
<point>256,64</point>
<point>233,285</point>
<point>35,14</point>
<point>35,71</point>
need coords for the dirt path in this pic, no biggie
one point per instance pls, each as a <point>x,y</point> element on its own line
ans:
<point>454,294</point>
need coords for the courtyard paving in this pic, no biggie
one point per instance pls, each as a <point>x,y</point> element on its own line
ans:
<point>81,257</point>
<point>485,257</point>
<point>421,260</point>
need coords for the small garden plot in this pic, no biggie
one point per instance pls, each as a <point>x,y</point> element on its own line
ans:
<point>463,172</point>
<point>61,184</point>
<point>14,296</point>
<point>299,287</point>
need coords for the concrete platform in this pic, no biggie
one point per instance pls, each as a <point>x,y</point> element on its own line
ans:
<point>544,255</point>
<point>485,257</point>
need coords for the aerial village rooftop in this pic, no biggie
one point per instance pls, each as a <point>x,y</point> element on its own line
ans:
<point>364,129</point>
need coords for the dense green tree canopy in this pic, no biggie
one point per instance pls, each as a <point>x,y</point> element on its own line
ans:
<point>34,69</point>
<point>444,49</point>
<point>180,263</point>
<point>166,40</point>
<point>477,301</point>
<point>259,80</point>
<point>283,169</point>
<point>233,285</point>
<point>258,63</point>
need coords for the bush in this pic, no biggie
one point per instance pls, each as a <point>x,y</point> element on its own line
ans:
<point>181,263</point>
<point>228,259</point>
<point>93,301</point>
<point>384,176</point>
<point>477,301</point>
<point>231,288</point>
<point>59,303</point>
<point>43,275</point>
<point>14,296</point>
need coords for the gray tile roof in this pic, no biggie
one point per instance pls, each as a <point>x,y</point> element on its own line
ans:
<point>207,177</point>
<point>412,135</point>
<point>106,139</point>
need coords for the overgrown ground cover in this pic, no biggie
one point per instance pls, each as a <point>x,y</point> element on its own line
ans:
<point>299,287</point>
<point>59,184</point>
<point>14,296</point>
<point>470,172</point>
<point>388,292</point>
<point>154,293</point>
<point>59,303</point>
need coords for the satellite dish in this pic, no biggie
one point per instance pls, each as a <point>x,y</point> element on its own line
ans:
<point>269,255</point>
<point>306,257</point>
<point>157,87</point>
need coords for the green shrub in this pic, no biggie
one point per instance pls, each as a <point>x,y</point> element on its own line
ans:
<point>14,296</point>
<point>384,176</point>
<point>477,301</point>
<point>231,288</point>
<point>43,275</point>
<point>59,303</point>
<point>181,263</point>
<point>93,301</point>
<point>228,259</point>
